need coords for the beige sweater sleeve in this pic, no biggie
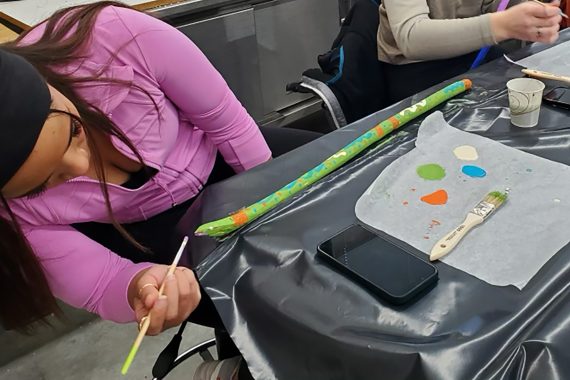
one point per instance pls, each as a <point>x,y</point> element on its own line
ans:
<point>420,38</point>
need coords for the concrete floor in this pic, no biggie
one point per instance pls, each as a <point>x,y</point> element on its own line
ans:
<point>97,350</point>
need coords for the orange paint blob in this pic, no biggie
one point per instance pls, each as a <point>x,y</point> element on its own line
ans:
<point>438,197</point>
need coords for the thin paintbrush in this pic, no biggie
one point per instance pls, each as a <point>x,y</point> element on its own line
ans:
<point>146,322</point>
<point>548,5</point>
<point>478,215</point>
<point>502,6</point>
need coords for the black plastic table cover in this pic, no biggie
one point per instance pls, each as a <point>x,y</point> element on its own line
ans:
<point>294,318</point>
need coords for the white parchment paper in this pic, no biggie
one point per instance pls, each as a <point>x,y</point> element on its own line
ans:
<point>508,248</point>
<point>555,60</point>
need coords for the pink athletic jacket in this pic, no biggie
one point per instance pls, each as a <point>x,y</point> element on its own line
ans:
<point>197,116</point>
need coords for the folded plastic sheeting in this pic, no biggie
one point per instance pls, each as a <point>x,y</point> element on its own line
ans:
<point>294,317</point>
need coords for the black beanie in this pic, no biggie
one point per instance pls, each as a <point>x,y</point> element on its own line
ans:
<point>24,106</point>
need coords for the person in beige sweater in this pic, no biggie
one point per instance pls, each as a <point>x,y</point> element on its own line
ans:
<point>424,42</point>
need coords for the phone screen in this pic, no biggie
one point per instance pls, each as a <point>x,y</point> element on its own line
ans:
<point>559,95</point>
<point>378,260</point>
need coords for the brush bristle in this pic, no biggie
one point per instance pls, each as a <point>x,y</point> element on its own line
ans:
<point>496,198</point>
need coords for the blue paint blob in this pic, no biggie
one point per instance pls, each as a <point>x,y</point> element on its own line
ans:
<point>474,171</point>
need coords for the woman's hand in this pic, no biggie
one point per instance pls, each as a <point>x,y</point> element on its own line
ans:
<point>528,21</point>
<point>180,297</point>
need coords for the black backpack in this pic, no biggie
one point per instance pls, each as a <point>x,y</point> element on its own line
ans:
<point>351,69</point>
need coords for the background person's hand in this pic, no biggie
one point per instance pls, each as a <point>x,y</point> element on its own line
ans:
<point>528,21</point>
<point>180,297</point>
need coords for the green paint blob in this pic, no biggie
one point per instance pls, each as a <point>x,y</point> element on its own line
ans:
<point>431,172</point>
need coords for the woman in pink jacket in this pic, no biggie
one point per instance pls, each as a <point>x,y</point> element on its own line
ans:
<point>109,117</point>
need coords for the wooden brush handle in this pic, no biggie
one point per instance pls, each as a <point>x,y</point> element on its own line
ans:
<point>449,241</point>
<point>545,75</point>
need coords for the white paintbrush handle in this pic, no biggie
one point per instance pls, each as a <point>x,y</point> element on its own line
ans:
<point>545,75</point>
<point>449,241</point>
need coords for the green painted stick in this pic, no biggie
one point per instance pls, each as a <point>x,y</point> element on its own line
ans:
<point>222,227</point>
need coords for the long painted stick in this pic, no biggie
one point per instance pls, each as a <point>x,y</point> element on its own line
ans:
<point>222,227</point>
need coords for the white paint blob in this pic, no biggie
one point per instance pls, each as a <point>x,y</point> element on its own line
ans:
<point>466,153</point>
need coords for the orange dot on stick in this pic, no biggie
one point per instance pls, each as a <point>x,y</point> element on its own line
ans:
<point>239,218</point>
<point>395,122</point>
<point>438,197</point>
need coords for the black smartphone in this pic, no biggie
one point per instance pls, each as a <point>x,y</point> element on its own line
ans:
<point>558,97</point>
<point>386,266</point>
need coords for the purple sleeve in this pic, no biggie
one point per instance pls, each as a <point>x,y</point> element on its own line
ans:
<point>83,273</point>
<point>190,81</point>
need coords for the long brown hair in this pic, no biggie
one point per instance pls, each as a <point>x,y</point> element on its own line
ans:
<point>27,296</point>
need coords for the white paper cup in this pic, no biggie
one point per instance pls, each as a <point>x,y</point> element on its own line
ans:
<point>525,98</point>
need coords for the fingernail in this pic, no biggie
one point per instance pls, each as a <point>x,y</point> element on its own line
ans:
<point>162,297</point>
<point>171,277</point>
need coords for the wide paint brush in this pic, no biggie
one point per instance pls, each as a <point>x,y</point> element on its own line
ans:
<point>478,215</point>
